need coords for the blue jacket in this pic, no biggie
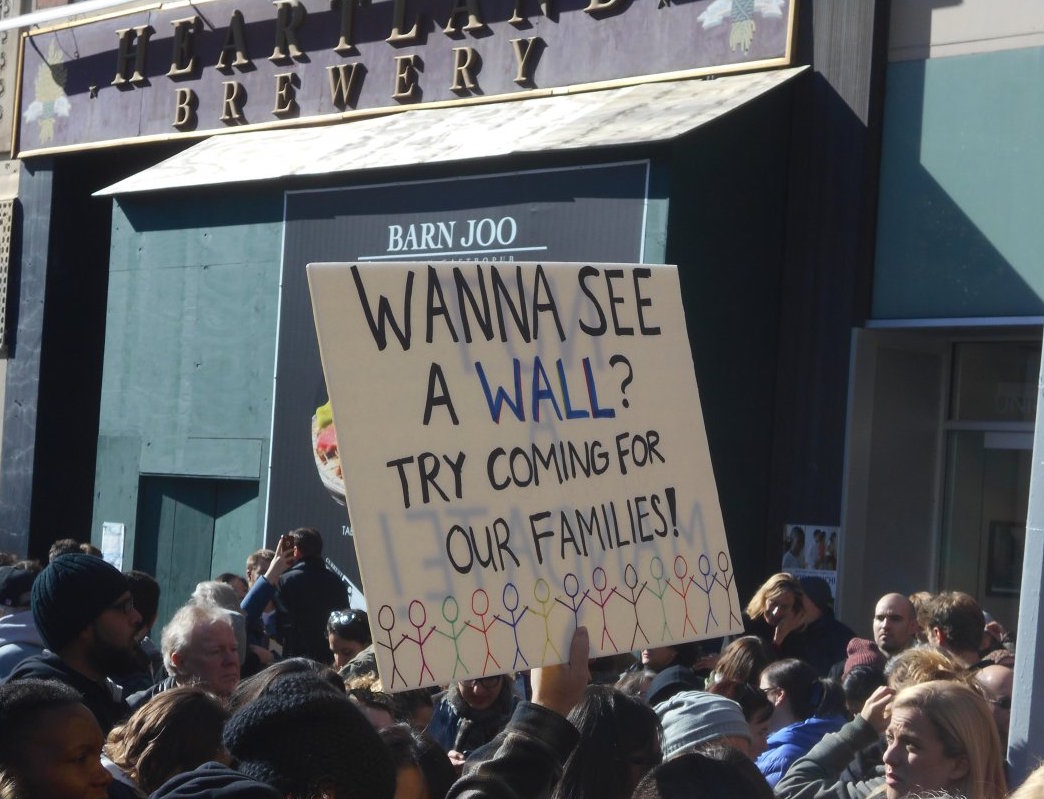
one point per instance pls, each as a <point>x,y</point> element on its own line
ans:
<point>792,742</point>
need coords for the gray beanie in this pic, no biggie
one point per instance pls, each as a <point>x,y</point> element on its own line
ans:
<point>691,718</point>
<point>72,592</point>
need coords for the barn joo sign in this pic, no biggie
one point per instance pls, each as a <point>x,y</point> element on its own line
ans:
<point>186,69</point>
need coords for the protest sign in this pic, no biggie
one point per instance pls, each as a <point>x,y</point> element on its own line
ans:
<point>523,452</point>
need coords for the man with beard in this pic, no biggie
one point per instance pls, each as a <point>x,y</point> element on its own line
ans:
<point>85,615</point>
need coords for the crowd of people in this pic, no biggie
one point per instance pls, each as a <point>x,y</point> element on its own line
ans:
<point>266,686</point>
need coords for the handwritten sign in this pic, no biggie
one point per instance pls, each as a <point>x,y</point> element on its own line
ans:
<point>523,452</point>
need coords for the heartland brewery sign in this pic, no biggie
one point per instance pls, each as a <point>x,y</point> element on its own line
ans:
<point>181,69</point>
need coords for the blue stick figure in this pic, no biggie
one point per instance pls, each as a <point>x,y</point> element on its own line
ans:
<point>510,600</point>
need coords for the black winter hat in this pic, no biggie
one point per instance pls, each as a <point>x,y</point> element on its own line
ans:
<point>300,736</point>
<point>72,592</point>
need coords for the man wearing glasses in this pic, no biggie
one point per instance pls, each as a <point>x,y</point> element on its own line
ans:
<point>85,615</point>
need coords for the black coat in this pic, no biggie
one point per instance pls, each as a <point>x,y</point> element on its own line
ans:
<point>99,699</point>
<point>309,591</point>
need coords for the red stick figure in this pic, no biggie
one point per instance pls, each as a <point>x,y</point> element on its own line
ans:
<point>481,599</point>
<point>681,571</point>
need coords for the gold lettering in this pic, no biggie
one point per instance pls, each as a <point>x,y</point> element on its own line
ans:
<point>290,16</point>
<point>405,76</point>
<point>286,95</point>
<point>232,102</point>
<point>346,45</point>
<point>598,6</point>
<point>523,48</point>
<point>399,22</point>
<point>185,102</point>
<point>464,59</point>
<point>460,7</point>
<point>235,44</point>
<point>342,84</point>
<point>183,62</point>
<point>130,51</point>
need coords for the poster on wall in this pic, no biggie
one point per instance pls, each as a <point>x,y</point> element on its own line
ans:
<point>593,212</point>
<point>810,550</point>
<point>524,453</point>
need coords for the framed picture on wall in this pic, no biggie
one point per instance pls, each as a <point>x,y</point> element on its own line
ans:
<point>1007,541</point>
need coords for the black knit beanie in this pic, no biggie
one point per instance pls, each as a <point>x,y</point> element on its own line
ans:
<point>300,736</point>
<point>72,592</point>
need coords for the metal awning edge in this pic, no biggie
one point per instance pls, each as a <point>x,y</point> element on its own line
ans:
<point>651,112</point>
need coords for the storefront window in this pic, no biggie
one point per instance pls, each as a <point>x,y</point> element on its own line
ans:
<point>989,444</point>
<point>995,382</point>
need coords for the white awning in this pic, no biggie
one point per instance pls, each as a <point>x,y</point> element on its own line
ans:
<point>648,112</point>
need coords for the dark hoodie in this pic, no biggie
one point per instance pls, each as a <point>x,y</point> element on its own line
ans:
<point>101,700</point>
<point>214,781</point>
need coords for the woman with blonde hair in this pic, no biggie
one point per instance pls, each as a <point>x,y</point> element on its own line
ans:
<point>940,737</point>
<point>923,664</point>
<point>778,605</point>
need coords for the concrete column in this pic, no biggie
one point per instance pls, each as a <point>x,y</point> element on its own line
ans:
<point>32,225</point>
<point>1026,733</point>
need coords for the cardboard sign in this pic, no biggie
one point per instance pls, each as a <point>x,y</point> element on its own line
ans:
<point>523,452</point>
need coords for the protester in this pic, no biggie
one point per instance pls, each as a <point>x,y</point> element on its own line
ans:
<point>1033,787</point>
<point>636,683</point>
<point>922,664</point>
<point>422,767</point>
<point>310,592</point>
<point>379,708</point>
<point>858,683</point>
<point>471,713</point>
<point>85,615</point>
<point>251,688</point>
<point>19,637</point>
<point>694,719</point>
<point>199,648</point>
<point>895,624</point>
<point>609,721</point>
<point>538,738</point>
<point>671,681</point>
<point>217,594</point>
<point>659,658</point>
<point>940,738</point>
<point>305,593</point>
<point>697,775</point>
<point>776,609</point>
<point>305,739</point>
<point>348,633</point>
<point>806,707</point>
<point>956,623</point>
<point>239,585</point>
<point>757,709</point>
<point>996,683</point>
<point>50,743</point>
<point>174,732</point>
<point>822,640</point>
<point>63,546</point>
<point>743,660</point>
<point>148,659</point>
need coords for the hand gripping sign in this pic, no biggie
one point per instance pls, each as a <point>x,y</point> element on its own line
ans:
<point>523,452</point>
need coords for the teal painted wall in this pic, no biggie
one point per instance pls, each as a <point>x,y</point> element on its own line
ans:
<point>189,353</point>
<point>962,188</point>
